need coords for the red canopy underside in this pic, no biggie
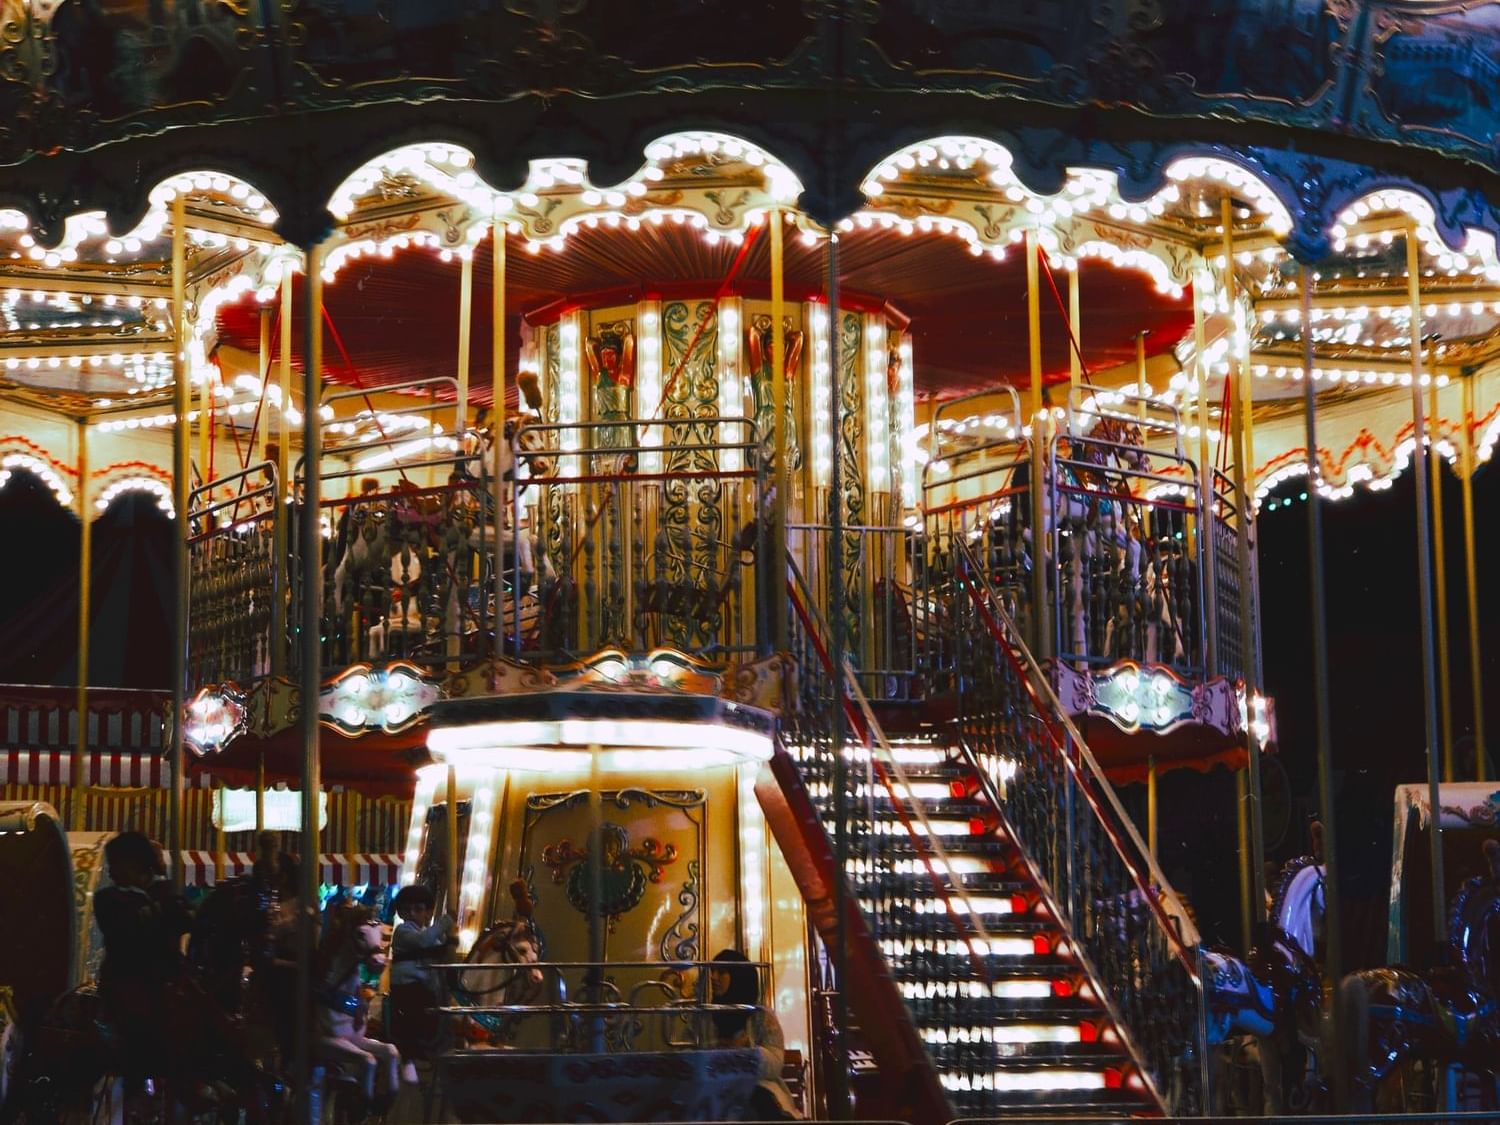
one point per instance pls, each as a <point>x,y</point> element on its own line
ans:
<point>376,765</point>
<point>398,317</point>
<point>1126,758</point>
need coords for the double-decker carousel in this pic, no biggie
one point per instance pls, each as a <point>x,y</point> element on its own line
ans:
<point>708,539</point>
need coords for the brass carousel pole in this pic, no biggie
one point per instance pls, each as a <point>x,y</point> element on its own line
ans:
<point>1471,578</point>
<point>1424,582</point>
<point>1041,636</point>
<point>465,317</point>
<point>1440,575</point>
<point>281,643</point>
<point>1075,321</point>
<point>783,486</point>
<point>278,608</point>
<point>181,400</point>
<point>85,583</point>
<point>838,1084</point>
<point>497,425</point>
<point>310,560</point>
<point>1239,409</point>
<point>1319,608</point>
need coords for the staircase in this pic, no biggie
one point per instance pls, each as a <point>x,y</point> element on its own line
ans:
<point>1010,947</point>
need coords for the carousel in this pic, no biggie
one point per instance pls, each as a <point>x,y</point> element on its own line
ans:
<point>715,548</point>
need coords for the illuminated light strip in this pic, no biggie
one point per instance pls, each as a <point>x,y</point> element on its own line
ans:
<point>428,779</point>
<point>648,377</point>
<point>475,874</point>
<point>877,405</point>
<point>822,375</point>
<point>906,413</point>
<point>657,735</point>
<point>996,947</point>
<point>1026,1080</point>
<point>731,386</point>
<point>754,863</point>
<point>162,492</point>
<point>975,990</point>
<point>1362,472</point>
<point>41,470</point>
<point>569,391</point>
<point>1015,1033</point>
<point>981,904</point>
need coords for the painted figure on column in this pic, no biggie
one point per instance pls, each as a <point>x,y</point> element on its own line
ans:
<point>758,335</point>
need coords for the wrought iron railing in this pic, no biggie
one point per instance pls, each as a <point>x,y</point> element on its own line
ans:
<point>638,542</point>
<point>1125,542</point>
<point>236,578</point>
<point>590,1006</point>
<point>876,591</point>
<point>1134,561</point>
<point>1125,924</point>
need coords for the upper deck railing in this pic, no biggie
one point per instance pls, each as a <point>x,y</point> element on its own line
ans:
<point>637,536</point>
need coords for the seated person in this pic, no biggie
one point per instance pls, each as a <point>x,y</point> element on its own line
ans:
<point>416,987</point>
<point>736,981</point>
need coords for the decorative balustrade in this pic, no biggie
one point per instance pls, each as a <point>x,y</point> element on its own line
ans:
<point>236,578</point>
<point>1135,562</point>
<point>639,535</point>
<point>1124,921</point>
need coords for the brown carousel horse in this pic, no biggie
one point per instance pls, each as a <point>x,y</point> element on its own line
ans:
<point>1445,1017</point>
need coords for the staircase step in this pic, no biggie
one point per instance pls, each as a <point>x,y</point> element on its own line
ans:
<point>961,969</point>
<point>940,926</point>
<point>980,1011</point>
<point>1010,1104</point>
<point>961,1057</point>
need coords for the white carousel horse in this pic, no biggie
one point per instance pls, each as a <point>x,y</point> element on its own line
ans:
<point>502,954</point>
<point>1275,994</point>
<point>405,613</point>
<point>364,553</point>
<point>354,938</point>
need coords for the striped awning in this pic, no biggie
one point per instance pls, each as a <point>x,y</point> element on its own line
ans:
<point>335,869</point>
<point>117,768</point>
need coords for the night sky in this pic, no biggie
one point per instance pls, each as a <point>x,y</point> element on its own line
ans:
<point>1375,665</point>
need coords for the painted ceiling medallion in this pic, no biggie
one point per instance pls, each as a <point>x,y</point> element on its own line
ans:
<point>215,717</point>
<point>390,698</point>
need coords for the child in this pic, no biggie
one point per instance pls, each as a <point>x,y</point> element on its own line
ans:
<point>416,988</point>
<point>737,982</point>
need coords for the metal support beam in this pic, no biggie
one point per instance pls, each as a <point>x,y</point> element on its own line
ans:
<point>181,397</point>
<point>1424,580</point>
<point>1239,407</point>
<point>1075,322</point>
<point>1471,578</point>
<point>310,562</point>
<point>498,232</point>
<point>776,585</point>
<point>465,321</point>
<point>85,589</point>
<point>1440,575</point>
<point>1321,686</point>
<point>1041,635</point>
<point>838,1084</point>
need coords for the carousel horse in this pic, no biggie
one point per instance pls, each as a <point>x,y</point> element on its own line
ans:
<point>366,554</point>
<point>1275,994</point>
<point>508,946</point>
<point>353,938</point>
<point>1098,531</point>
<point>403,616</point>
<point>1446,1017</point>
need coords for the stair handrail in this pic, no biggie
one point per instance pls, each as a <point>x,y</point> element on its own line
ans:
<point>1085,777</point>
<point>1085,768</point>
<point>861,719</point>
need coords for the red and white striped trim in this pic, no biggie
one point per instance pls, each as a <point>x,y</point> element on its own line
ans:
<point>110,768</point>
<point>337,870</point>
